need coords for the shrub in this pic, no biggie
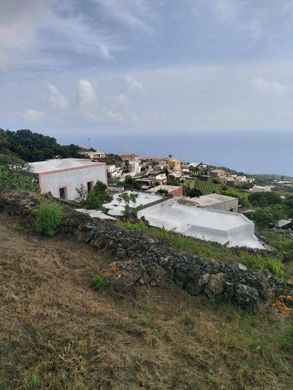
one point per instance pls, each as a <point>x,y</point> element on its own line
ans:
<point>264,199</point>
<point>48,218</point>
<point>97,197</point>
<point>99,282</point>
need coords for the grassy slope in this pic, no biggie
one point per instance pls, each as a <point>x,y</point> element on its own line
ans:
<point>57,333</point>
<point>211,251</point>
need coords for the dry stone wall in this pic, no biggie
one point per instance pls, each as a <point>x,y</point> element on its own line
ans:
<point>140,260</point>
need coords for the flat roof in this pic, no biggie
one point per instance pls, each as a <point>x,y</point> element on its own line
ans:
<point>212,225</point>
<point>116,207</point>
<point>211,199</point>
<point>61,164</point>
<point>214,219</point>
<point>165,187</point>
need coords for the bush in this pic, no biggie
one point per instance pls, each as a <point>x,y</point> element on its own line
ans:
<point>264,199</point>
<point>99,282</point>
<point>97,197</point>
<point>48,218</point>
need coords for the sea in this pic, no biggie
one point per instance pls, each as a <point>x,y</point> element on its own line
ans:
<point>250,152</point>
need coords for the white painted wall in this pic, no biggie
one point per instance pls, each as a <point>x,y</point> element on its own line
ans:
<point>72,179</point>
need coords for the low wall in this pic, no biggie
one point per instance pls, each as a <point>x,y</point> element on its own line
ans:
<point>140,260</point>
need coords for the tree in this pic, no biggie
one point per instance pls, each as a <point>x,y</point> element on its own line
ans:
<point>192,192</point>
<point>127,198</point>
<point>264,199</point>
<point>97,197</point>
<point>172,181</point>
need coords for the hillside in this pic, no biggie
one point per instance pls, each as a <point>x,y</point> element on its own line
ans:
<point>58,333</point>
<point>30,146</point>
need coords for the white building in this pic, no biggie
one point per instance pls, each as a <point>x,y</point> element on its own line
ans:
<point>214,201</point>
<point>63,177</point>
<point>116,206</point>
<point>226,228</point>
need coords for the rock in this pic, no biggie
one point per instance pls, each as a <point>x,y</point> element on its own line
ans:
<point>247,297</point>
<point>216,283</point>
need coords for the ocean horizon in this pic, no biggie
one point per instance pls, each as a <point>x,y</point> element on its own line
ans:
<point>252,153</point>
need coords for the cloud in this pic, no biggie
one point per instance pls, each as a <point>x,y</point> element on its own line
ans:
<point>270,88</point>
<point>132,13</point>
<point>86,93</point>
<point>105,53</point>
<point>20,22</point>
<point>120,118</point>
<point>134,85</point>
<point>226,10</point>
<point>57,100</point>
<point>33,115</point>
<point>87,99</point>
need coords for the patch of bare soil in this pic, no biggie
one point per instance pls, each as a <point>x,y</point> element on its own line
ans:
<point>57,333</point>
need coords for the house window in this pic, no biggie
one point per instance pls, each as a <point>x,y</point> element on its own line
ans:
<point>90,185</point>
<point>62,193</point>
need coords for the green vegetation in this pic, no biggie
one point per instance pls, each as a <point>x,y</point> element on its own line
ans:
<point>172,180</point>
<point>48,218</point>
<point>34,382</point>
<point>211,251</point>
<point>285,339</point>
<point>31,146</point>
<point>99,282</point>
<point>127,198</point>
<point>264,199</point>
<point>130,184</point>
<point>205,187</point>
<point>97,197</point>
<point>14,175</point>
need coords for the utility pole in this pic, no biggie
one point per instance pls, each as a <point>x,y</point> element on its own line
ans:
<point>89,141</point>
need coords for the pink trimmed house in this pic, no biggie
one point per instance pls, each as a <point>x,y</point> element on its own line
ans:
<point>62,177</point>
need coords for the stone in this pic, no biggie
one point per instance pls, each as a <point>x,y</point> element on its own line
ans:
<point>247,297</point>
<point>216,283</point>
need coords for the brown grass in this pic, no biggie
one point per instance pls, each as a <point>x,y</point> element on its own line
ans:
<point>57,333</point>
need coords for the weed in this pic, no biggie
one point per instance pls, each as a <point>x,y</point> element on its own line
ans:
<point>99,282</point>
<point>34,382</point>
<point>48,218</point>
<point>147,320</point>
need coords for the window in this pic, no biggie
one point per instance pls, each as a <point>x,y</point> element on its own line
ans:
<point>62,193</point>
<point>90,185</point>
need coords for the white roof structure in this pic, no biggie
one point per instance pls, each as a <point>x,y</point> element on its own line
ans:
<point>214,201</point>
<point>226,228</point>
<point>116,207</point>
<point>95,214</point>
<point>60,164</point>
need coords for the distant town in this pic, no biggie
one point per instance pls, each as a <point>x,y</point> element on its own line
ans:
<point>190,198</point>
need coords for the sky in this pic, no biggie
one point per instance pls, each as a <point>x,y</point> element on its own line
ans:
<point>82,67</point>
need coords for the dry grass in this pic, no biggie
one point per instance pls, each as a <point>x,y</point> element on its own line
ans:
<point>57,333</point>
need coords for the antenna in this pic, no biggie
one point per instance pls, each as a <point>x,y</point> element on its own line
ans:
<point>89,141</point>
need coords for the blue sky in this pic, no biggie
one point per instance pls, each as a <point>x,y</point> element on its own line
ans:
<point>73,67</point>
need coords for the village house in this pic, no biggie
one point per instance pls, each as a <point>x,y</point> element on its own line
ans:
<point>213,201</point>
<point>93,154</point>
<point>63,177</point>
<point>157,177</point>
<point>170,190</point>
<point>217,173</point>
<point>174,165</point>
<point>225,228</point>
